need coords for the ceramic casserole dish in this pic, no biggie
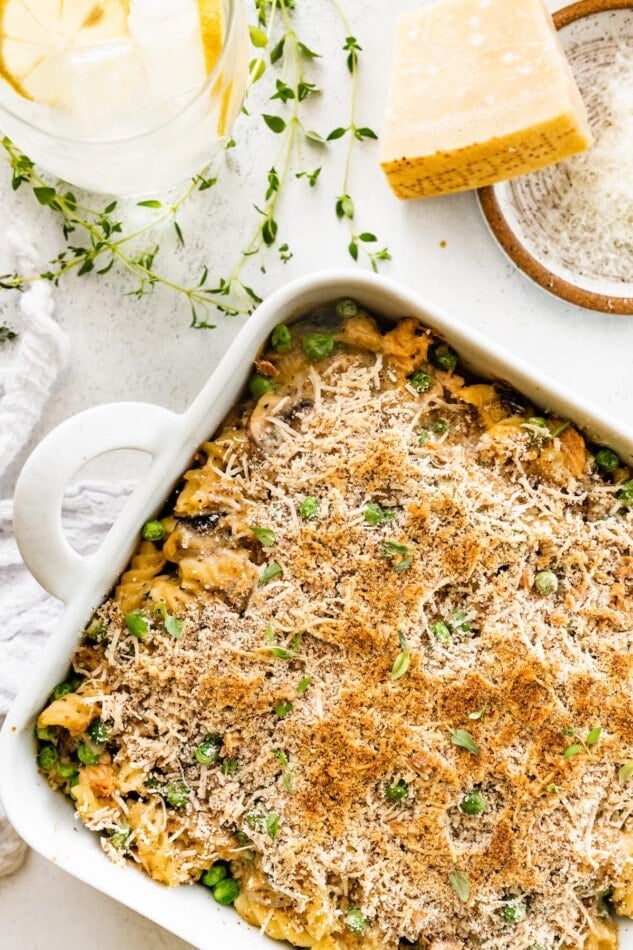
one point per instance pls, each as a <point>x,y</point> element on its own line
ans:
<point>43,817</point>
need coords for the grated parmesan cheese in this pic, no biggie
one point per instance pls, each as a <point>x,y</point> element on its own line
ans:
<point>579,213</point>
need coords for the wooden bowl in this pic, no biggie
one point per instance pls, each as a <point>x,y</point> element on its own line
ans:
<point>591,33</point>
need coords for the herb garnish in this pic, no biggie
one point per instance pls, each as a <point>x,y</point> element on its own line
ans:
<point>460,884</point>
<point>283,708</point>
<point>271,570</point>
<point>463,739</point>
<point>272,826</point>
<point>398,553</point>
<point>403,660</point>
<point>375,516</point>
<point>173,626</point>
<point>625,771</point>
<point>286,776</point>
<point>6,334</point>
<point>303,685</point>
<point>592,739</point>
<point>137,625</point>
<point>265,536</point>
<point>573,749</point>
<point>441,632</point>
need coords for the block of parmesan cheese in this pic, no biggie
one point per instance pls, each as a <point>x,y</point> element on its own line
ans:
<point>480,92</point>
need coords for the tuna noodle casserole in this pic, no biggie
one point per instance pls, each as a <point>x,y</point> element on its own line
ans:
<point>368,678</point>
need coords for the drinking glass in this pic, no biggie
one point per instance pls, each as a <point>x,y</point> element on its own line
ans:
<point>127,103</point>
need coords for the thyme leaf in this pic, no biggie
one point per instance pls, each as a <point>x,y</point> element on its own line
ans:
<point>463,739</point>
<point>460,884</point>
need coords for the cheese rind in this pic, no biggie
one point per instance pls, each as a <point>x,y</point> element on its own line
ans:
<point>480,92</point>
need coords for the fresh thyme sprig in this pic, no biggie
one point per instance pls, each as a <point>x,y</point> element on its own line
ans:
<point>360,243</point>
<point>101,242</point>
<point>289,55</point>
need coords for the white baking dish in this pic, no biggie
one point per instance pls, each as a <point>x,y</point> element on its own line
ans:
<point>44,818</point>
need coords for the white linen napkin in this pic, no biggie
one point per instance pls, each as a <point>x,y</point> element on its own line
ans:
<point>29,369</point>
<point>28,614</point>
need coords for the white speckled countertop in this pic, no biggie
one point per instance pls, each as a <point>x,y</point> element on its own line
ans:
<point>128,349</point>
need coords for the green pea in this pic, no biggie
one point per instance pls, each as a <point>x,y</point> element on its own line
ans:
<point>473,803</point>
<point>88,756</point>
<point>421,382</point>
<point>96,632</point>
<point>356,921</point>
<point>625,494</point>
<point>546,583</point>
<point>97,731</point>
<point>67,770</point>
<point>444,358</point>
<point>317,346</point>
<point>209,750</point>
<point>153,531</point>
<point>441,632</point>
<point>63,689</point>
<point>120,836</point>
<point>47,757</point>
<point>260,385</point>
<point>176,794</point>
<point>226,891</point>
<point>607,460</point>
<point>45,733</point>
<point>514,913</point>
<point>398,792</point>
<point>281,339</point>
<point>346,308</point>
<point>216,873</point>
<point>309,509</point>
<point>439,427</point>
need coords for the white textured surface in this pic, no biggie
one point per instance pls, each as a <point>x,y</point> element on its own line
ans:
<point>124,349</point>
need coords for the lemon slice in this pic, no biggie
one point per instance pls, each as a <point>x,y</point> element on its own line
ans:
<point>211,31</point>
<point>36,34</point>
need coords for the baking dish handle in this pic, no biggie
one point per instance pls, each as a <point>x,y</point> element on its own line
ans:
<point>37,511</point>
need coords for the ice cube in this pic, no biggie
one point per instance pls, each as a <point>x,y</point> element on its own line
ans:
<point>166,34</point>
<point>104,80</point>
